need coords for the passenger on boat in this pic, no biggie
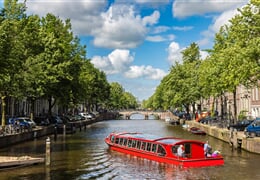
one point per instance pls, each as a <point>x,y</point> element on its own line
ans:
<point>180,151</point>
<point>215,153</point>
<point>207,149</point>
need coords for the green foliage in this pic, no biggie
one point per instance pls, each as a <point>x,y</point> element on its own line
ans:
<point>41,58</point>
<point>180,87</point>
<point>233,61</point>
<point>242,115</point>
<point>119,99</point>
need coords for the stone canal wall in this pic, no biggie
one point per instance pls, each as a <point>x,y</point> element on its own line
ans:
<point>69,128</point>
<point>234,138</point>
<point>8,140</point>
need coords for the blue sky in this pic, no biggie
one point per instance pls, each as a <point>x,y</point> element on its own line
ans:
<point>135,42</point>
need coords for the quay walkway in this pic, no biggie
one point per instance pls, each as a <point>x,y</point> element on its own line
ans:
<point>15,137</point>
<point>237,139</point>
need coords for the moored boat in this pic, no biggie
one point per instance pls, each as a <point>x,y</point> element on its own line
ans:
<point>198,131</point>
<point>168,119</point>
<point>172,121</point>
<point>163,149</point>
<point>13,161</point>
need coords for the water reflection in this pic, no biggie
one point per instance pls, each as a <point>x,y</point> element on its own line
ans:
<point>84,155</point>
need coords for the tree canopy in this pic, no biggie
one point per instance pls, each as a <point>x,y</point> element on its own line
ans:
<point>234,60</point>
<point>41,58</point>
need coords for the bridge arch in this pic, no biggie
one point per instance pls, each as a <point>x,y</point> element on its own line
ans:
<point>146,114</point>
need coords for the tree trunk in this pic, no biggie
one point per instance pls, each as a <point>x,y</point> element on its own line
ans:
<point>50,106</point>
<point>213,107</point>
<point>32,108</point>
<point>193,108</point>
<point>235,105</point>
<point>3,110</point>
<point>222,106</point>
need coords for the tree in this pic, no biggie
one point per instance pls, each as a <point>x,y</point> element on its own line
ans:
<point>57,38</point>
<point>236,50</point>
<point>31,76</point>
<point>10,50</point>
<point>116,92</point>
<point>119,99</point>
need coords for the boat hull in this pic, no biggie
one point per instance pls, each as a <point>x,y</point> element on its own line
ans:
<point>195,130</point>
<point>184,162</point>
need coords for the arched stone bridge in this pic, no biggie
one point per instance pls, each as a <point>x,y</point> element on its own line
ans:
<point>160,115</point>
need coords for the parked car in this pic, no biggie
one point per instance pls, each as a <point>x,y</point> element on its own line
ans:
<point>240,125</point>
<point>88,116</point>
<point>56,120</point>
<point>253,129</point>
<point>91,116</point>
<point>42,120</point>
<point>84,114</point>
<point>31,122</point>
<point>73,118</point>
<point>208,119</point>
<point>79,117</point>
<point>66,119</point>
<point>23,122</point>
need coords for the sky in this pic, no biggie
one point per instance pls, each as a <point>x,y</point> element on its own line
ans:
<point>135,42</point>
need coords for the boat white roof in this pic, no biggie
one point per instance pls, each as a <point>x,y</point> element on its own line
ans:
<point>151,137</point>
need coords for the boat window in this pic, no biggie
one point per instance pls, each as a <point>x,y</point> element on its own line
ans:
<point>117,140</point>
<point>161,151</point>
<point>174,149</point>
<point>154,146</point>
<point>125,142</point>
<point>121,141</point>
<point>138,144</point>
<point>129,143</point>
<point>143,145</point>
<point>112,139</point>
<point>187,149</point>
<point>148,147</point>
<point>134,143</point>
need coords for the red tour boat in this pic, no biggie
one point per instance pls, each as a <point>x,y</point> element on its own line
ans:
<point>164,150</point>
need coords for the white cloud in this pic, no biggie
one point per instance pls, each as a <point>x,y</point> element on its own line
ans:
<point>160,38</point>
<point>119,26</point>
<point>203,54</point>
<point>116,62</point>
<point>119,62</point>
<point>84,15</point>
<point>185,8</point>
<point>159,29</point>
<point>120,59</point>
<point>150,1</point>
<point>153,19</point>
<point>122,28</point>
<point>174,53</point>
<point>214,28</point>
<point>147,72</point>
<point>223,19</point>
<point>184,28</point>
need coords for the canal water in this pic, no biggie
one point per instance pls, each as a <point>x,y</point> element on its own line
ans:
<point>84,155</point>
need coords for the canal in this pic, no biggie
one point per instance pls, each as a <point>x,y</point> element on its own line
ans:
<point>84,155</point>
